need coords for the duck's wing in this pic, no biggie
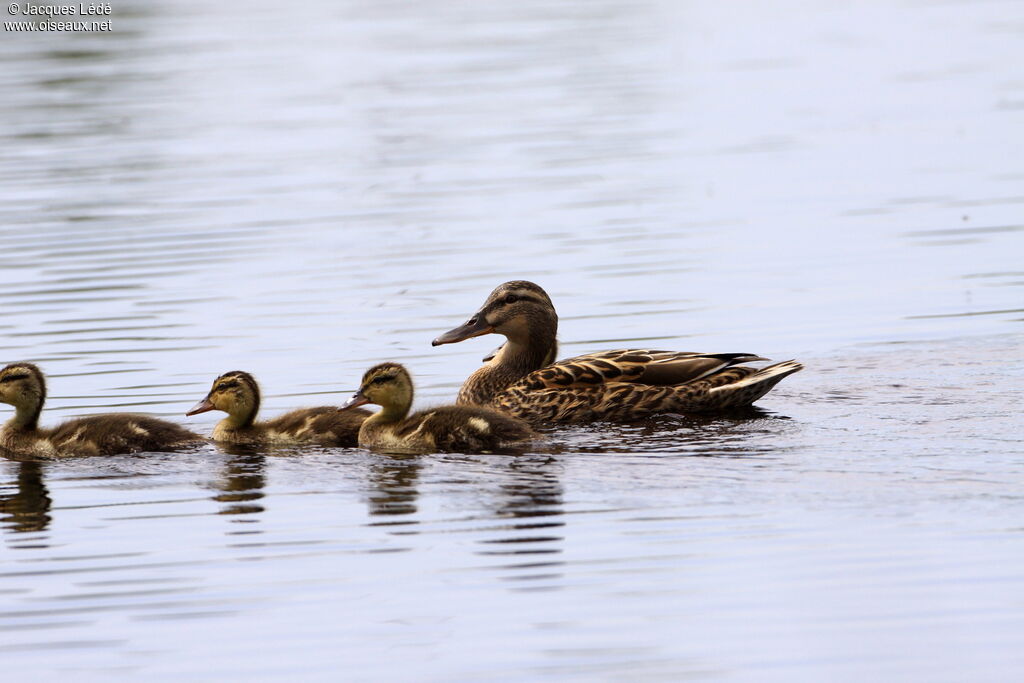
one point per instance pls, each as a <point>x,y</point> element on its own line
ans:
<point>734,387</point>
<point>468,428</point>
<point>119,433</point>
<point>324,424</point>
<point>642,366</point>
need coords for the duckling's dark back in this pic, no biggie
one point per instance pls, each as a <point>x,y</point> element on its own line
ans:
<point>324,425</point>
<point>120,433</point>
<point>469,428</point>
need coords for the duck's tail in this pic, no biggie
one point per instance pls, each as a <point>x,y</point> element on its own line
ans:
<point>746,390</point>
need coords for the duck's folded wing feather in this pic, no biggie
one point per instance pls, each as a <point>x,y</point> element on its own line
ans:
<point>118,432</point>
<point>644,366</point>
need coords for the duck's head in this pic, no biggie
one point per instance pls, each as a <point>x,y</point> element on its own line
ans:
<point>387,385</point>
<point>22,385</point>
<point>236,393</point>
<point>519,310</point>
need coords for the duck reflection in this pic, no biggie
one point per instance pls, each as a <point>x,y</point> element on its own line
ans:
<point>241,482</point>
<point>531,487</point>
<point>530,492</point>
<point>731,434</point>
<point>393,480</point>
<point>24,501</point>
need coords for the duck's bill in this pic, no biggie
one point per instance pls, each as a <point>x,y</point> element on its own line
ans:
<point>203,406</point>
<point>357,400</point>
<point>474,327</point>
<point>489,357</point>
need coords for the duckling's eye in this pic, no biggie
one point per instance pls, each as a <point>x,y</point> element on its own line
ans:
<point>228,385</point>
<point>511,299</point>
<point>12,378</point>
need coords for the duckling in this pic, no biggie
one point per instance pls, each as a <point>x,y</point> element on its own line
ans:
<point>619,385</point>
<point>23,386</point>
<point>237,394</point>
<point>464,429</point>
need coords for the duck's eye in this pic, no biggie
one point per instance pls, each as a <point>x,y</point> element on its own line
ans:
<point>511,299</point>
<point>228,385</point>
<point>12,378</point>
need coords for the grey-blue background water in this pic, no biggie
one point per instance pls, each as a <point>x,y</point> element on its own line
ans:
<point>303,189</point>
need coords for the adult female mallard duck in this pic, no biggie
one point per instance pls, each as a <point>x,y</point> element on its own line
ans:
<point>624,384</point>
<point>463,429</point>
<point>237,394</point>
<point>23,386</point>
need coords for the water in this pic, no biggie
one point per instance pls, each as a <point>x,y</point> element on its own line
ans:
<point>303,192</point>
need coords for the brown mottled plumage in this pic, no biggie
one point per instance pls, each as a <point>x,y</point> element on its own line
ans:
<point>237,394</point>
<point>23,386</point>
<point>625,384</point>
<point>463,429</point>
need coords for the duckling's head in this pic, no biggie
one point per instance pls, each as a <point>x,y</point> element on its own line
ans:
<point>22,385</point>
<point>387,385</point>
<point>519,310</point>
<point>236,393</point>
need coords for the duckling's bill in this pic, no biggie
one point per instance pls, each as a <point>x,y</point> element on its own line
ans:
<point>203,406</point>
<point>357,400</point>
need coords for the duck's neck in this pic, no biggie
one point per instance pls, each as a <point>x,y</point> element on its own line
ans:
<point>525,356</point>
<point>516,359</point>
<point>26,417</point>
<point>393,412</point>
<point>239,420</point>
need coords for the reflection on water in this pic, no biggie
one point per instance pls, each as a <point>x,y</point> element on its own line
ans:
<point>732,434</point>
<point>838,184</point>
<point>24,501</point>
<point>531,496</point>
<point>533,488</point>
<point>241,482</point>
<point>392,482</point>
